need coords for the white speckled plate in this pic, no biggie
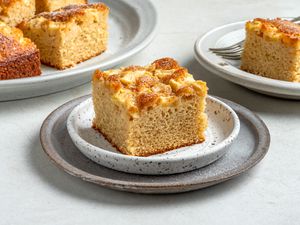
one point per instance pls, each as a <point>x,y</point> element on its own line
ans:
<point>230,69</point>
<point>132,26</point>
<point>248,149</point>
<point>222,130</point>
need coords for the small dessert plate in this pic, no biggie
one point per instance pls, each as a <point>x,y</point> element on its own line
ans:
<point>230,69</point>
<point>222,130</point>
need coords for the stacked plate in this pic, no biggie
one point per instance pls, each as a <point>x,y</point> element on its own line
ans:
<point>236,139</point>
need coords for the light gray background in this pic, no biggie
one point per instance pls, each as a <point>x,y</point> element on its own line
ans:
<point>34,191</point>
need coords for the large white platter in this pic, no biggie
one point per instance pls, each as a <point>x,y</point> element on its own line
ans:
<point>230,69</point>
<point>223,128</point>
<point>132,26</point>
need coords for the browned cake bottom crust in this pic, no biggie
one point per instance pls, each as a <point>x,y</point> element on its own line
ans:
<point>27,65</point>
<point>144,155</point>
<point>69,66</point>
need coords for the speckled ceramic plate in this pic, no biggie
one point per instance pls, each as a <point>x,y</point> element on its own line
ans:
<point>230,69</point>
<point>249,148</point>
<point>132,26</point>
<point>223,128</point>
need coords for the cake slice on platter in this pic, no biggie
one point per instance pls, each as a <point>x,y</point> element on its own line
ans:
<point>19,57</point>
<point>69,35</point>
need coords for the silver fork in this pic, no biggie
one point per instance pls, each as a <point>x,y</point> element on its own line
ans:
<point>234,51</point>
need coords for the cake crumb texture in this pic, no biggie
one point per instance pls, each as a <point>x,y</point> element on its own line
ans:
<point>13,12</point>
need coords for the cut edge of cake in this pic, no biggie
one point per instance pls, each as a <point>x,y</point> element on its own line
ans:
<point>272,49</point>
<point>172,98</point>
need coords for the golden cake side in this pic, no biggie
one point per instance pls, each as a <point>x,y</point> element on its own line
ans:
<point>19,57</point>
<point>69,35</point>
<point>13,12</point>
<point>149,110</point>
<point>272,49</point>
<point>52,5</point>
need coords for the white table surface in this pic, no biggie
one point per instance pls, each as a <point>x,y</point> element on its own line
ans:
<point>33,191</point>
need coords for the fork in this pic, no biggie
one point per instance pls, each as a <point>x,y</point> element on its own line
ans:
<point>234,52</point>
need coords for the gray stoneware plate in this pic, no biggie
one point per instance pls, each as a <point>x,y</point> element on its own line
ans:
<point>132,26</point>
<point>230,69</point>
<point>223,128</point>
<point>249,148</point>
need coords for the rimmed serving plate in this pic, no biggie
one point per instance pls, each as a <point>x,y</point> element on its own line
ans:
<point>230,69</point>
<point>132,26</point>
<point>249,148</point>
<point>223,128</point>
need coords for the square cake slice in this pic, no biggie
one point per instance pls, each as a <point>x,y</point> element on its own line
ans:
<point>19,57</point>
<point>51,5</point>
<point>14,12</point>
<point>272,49</point>
<point>69,35</point>
<point>149,110</point>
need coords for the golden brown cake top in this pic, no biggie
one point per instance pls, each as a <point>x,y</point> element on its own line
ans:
<point>161,83</point>
<point>5,4</point>
<point>66,13</point>
<point>276,29</point>
<point>13,43</point>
